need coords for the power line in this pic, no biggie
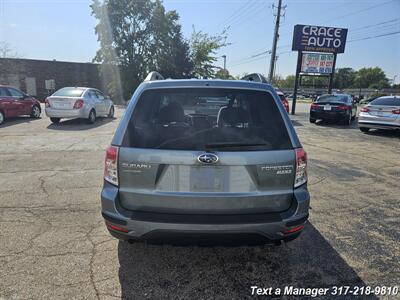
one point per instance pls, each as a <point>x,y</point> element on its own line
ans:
<point>376,24</point>
<point>375,36</point>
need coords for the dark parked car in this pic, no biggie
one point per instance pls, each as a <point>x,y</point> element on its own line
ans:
<point>14,103</point>
<point>333,107</point>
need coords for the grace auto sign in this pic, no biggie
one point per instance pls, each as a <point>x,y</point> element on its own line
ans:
<point>319,39</point>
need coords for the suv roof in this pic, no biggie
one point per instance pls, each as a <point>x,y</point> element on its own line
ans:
<point>202,83</point>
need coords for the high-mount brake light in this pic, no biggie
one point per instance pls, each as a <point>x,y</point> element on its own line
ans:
<point>111,165</point>
<point>301,167</point>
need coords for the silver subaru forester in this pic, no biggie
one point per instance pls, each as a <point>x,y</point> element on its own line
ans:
<point>205,158</point>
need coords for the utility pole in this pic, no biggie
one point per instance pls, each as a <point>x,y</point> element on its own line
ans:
<point>275,42</point>
<point>224,57</point>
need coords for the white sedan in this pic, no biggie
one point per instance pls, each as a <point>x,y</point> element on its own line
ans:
<point>78,102</point>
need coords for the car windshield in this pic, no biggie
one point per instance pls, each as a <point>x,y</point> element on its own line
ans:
<point>332,98</point>
<point>69,92</point>
<point>387,101</point>
<point>198,119</point>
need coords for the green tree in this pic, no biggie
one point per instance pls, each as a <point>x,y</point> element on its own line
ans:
<point>137,37</point>
<point>203,52</point>
<point>223,74</point>
<point>371,78</point>
<point>344,78</point>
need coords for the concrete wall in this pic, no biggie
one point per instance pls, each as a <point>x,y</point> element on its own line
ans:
<point>29,75</point>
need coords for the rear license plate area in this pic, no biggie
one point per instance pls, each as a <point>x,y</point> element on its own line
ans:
<point>206,179</point>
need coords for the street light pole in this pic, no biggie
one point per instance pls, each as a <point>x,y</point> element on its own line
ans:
<point>224,57</point>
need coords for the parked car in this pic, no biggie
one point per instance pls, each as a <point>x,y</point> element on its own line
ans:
<point>333,107</point>
<point>238,168</point>
<point>381,113</point>
<point>14,103</point>
<point>78,102</point>
<point>283,99</point>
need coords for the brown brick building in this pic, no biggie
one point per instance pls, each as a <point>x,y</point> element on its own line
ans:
<point>40,77</point>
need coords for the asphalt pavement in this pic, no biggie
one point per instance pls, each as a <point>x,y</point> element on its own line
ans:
<point>54,244</point>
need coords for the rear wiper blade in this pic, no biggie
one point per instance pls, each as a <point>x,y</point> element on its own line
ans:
<point>227,145</point>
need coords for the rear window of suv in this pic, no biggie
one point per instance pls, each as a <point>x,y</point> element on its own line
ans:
<point>207,119</point>
<point>389,101</point>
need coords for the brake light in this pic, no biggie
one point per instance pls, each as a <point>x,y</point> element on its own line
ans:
<point>286,104</point>
<point>301,167</point>
<point>78,104</point>
<point>313,105</point>
<point>111,165</point>
<point>342,107</point>
<point>46,102</point>
<point>396,111</point>
<point>365,109</point>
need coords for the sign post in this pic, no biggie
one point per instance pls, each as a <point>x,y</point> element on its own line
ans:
<point>317,48</point>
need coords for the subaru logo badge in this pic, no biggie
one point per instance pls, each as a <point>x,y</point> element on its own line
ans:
<point>207,158</point>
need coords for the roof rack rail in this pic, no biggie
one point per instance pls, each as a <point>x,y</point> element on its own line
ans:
<point>152,76</point>
<point>257,77</point>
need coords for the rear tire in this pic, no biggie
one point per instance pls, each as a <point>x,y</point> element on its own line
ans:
<point>35,112</point>
<point>2,117</point>
<point>111,112</point>
<point>364,129</point>
<point>312,120</point>
<point>55,120</point>
<point>92,117</point>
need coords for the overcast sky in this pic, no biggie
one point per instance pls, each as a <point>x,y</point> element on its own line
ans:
<point>64,30</point>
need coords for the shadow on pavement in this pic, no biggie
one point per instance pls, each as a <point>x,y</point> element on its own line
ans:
<point>150,271</point>
<point>17,120</point>
<point>384,133</point>
<point>337,125</point>
<point>79,124</point>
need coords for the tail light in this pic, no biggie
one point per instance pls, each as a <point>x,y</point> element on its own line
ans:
<point>111,165</point>
<point>343,107</point>
<point>46,102</point>
<point>301,167</point>
<point>364,109</point>
<point>286,104</point>
<point>313,105</point>
<point>396,111</point>
<point>78,104</point>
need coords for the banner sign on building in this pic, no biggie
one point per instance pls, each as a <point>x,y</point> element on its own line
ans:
<point>319,39</point>
<point>317,63</point>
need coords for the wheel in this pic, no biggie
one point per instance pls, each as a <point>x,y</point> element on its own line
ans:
<point>35,113</point>
<point>2,118</point>
<point>312,120</point>
<point>111,112</point>
<point>364,129</point>
<point>55,120</point>
<point>92,117</point>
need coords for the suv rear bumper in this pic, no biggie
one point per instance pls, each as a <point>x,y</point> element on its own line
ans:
<point>144,225</point>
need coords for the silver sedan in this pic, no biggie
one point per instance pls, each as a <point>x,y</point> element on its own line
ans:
<point>78,102</point>
<point>381,113</point>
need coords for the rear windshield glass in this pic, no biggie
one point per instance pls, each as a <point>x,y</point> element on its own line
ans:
<point>390,101</point>
<point>69,92</point>
<point>332,98</point>
<point>207,119</point>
